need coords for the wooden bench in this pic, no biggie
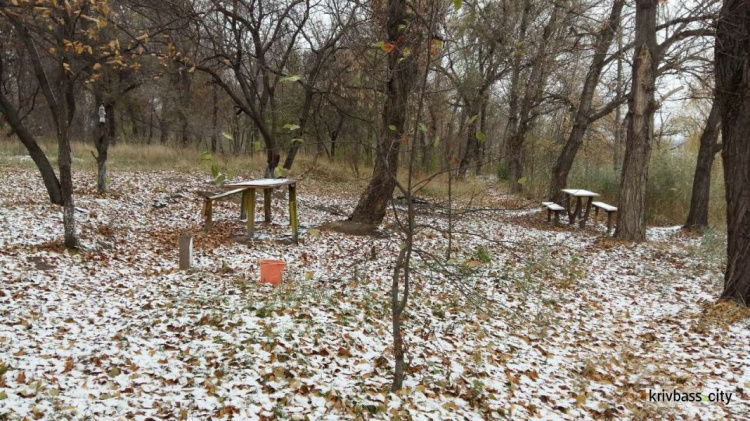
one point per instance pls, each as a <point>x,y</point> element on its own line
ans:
<point>607,208</point>
<point>553,207</point>
<point>208,206</point>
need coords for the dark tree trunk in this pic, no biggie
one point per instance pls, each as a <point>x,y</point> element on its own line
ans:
<point>733,95</point>
<point>403,75</point>
<point>582,119</point>
<point>101,142</point>
<point>214,117</point>
<point>51,183</point>
<point>631,221</point>
<point>699,200</point>
<point>471,154</point>
<point>297,142</point>
<point>64,157</point>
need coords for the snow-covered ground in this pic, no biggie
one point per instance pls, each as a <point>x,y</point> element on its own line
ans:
<point>561,324</point>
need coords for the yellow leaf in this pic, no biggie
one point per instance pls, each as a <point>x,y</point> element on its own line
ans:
<point>97,66</point>
<point>52,50</point>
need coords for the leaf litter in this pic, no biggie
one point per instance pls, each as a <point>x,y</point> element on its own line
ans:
<point>548,323</point>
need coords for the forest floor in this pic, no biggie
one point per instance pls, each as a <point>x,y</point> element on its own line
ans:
<point>523,321</point>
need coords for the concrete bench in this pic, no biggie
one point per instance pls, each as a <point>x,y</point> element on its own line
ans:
<point>208,206</point>
<point>611,210</point>
<point>553,207</point>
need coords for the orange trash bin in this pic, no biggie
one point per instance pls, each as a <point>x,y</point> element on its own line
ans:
<point>271,271</point>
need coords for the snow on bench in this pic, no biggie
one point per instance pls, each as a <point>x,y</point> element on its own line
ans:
<point>604,206</point>
<point>553,207</point>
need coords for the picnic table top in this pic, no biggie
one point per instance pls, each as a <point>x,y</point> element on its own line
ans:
<point>262,183</point>
<point>579,193</point>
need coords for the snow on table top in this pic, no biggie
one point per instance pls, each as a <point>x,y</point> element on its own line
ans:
<point>263,182</point>
<point>579,193</point>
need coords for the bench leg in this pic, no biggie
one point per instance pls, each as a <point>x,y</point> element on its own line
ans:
<point>549,215</point>
<point>250,206</point>
<point>557,218</point>
<point>293,221</point>
<point>267,205</point>
<point>596,215</point>
<point>609,222</point>
<point>243,204</point>
<point>208,214</point>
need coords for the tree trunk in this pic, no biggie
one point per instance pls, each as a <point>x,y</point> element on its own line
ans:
<point>297,142</point>
<point>699,200</point>
<point>733,95</point>
<point>582,120</point>
<point>631,221</point>
<point>214,117</point>
<point>64,157</point>
<point>51,183</point>
<point>471,154</point>
<point>403,75</point>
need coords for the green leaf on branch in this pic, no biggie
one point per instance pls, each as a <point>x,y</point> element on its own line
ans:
<point>457,4</point>
<point>206,156</point>
<point>422,127</point>
<point>291,78</point>
<point>392,127</point>
<point>291,126</point>
<point>472,119</point>
<point>227,135</point>
<point>523,180</point>
<point>378,44</point>
<point>480,136</point>
<point>298,140</point>
<point>215,170</point>
<point>280,172</point>
<point>220,179</point>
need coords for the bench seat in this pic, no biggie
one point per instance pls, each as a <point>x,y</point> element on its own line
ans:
<point>604,206</point>
<point>553,207</point>
<point>607,208</point>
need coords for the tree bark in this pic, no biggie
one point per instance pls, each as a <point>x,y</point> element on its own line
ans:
<point>582,119</point>
<point>631,221</point>
<point>733,95</point>
<point>214,117</point>
<point>51,183</point>
<point>698,216</point>
<point>403,75</point>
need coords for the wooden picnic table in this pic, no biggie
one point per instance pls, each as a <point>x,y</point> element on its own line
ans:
<point>266,185</point>
<point>579,194</point>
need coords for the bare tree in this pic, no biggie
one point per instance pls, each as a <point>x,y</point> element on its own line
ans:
<point>631,223</point>
<point>709,146</point>
<point>403,36</point>
<point>584,113</point>
<point>733,96</point>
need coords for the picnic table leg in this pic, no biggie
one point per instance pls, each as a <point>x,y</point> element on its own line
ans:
<point>557,218</point>
<point>267,205</point>
<point>596,215</point>
<point>243,204</point>
<point>208,213</point>
<point>588,211</point>
<point>293,221</point>
<point>609,222</point>
<point>549,215</point>
<point>250,206</point>
<point>567,206</point>
<point>577,212</point>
